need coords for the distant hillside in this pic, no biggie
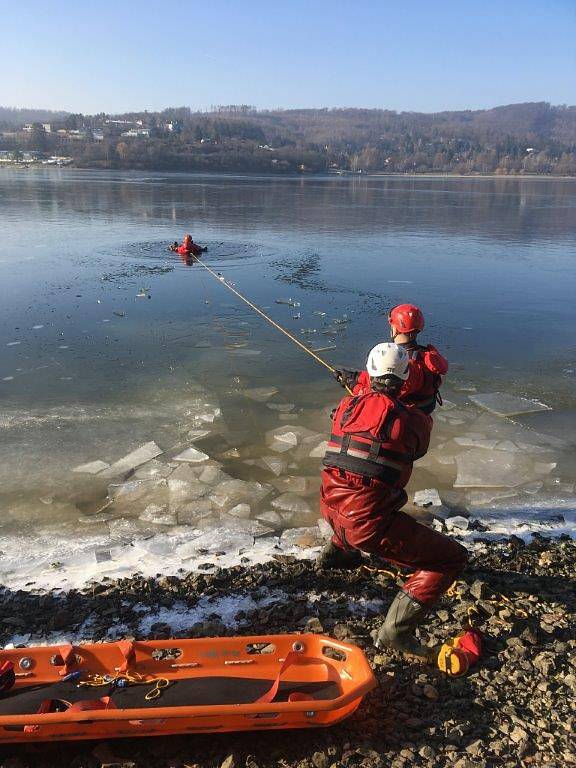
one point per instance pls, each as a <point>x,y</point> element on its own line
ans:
<point>14,116</point>
<point>518,138</point>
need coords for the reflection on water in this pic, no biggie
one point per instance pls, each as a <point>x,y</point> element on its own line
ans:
<point>110,342</point>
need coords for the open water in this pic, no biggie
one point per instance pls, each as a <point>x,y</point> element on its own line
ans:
<point>108,342</point>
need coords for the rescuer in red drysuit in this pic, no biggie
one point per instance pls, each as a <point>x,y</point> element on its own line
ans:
<point>374,442</point>
<point>427,365</point>
<point>189,247</point>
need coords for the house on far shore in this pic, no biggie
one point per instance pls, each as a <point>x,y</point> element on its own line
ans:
<point>29,126</point>
<point>138,132</point>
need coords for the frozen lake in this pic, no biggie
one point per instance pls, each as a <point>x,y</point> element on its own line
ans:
<point>149,419</point>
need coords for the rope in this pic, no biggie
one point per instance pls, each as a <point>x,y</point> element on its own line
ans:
<point>98,681</point>
<point>268,319</point>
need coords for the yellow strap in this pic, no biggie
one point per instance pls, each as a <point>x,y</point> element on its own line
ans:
<point>268,319</point>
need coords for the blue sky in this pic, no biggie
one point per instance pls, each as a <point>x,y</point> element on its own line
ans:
<point>407,54</point>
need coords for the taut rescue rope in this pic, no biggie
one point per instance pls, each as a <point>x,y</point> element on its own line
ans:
<point>268,319</point>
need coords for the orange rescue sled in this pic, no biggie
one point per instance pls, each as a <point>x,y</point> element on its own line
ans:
<point>161,687</point>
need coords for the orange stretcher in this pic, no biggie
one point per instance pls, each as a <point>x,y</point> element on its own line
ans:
<point>161,687</point>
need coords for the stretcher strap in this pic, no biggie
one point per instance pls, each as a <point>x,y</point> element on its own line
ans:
<point>86,705</point>
<point>68,658</point>
<point>291,659</point>
<point>128,651</point>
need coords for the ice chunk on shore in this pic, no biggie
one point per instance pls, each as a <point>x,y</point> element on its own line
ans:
<point>158,515</point>
<point>153,470</point>
<point>182,492</point>
<point>291,502</point>
<point>298,484</point>
<point>136,458</point>
<point>241,510</point>
<point>503,404</point>
<point>481,468</point>
<point>192,456</point>
<point>429,497</point>
<point>273,464</point>
<point>212,474</point>
<point>301,538</point>
<point>291,433</point>
<point>319,451</point>
<point>457,523</point>
<point>229,493</point>
<point>91,468</point>
<point>127,528</point>
<point>215,540</point>
<point>190,513</point>
<point>252,527</point>
<point>273,518</point>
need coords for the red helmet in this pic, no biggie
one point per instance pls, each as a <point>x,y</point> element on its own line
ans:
<point>406,318</point>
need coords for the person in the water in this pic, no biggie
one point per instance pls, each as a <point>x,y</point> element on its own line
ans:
<point>188,247</point>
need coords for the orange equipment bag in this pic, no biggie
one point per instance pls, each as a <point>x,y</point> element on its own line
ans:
<point>161,687</point>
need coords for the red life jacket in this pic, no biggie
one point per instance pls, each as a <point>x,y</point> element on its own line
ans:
<point>188,248</point>
<point>376,436</point>
<point>427,366</point>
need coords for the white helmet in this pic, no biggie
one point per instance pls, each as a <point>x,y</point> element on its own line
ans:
<point>388,359</point>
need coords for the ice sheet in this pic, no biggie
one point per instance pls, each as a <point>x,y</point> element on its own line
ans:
<point>481,468</point>
<point>503,404</point>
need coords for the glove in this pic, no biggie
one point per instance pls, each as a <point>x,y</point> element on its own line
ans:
<point>346,378</point>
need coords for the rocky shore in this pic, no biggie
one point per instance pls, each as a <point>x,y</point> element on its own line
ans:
<point>512,710</point>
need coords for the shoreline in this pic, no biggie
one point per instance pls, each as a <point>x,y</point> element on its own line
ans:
<point>294,175</point>
<point>513,706</point>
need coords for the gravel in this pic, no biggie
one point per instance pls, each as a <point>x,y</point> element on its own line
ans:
<point>512,710</point>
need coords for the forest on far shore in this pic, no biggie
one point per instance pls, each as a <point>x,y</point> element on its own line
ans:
<point>531,138</point>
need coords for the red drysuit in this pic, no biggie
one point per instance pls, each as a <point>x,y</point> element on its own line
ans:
<point>374,442</point>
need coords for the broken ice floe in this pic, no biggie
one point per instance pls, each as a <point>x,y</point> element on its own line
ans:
<point>91,468</point>
<point>273,464</point>
<point>282,407</point>
<point>291,502</point>
<point>229,493</point>
<point>197,434</point>
<point>192,455</point>
<point>260,394</point>
<point>482,468</point>
<point>503,404</point>
<point>134,459</point>
<point>289,302</point>
<point>429,497</point>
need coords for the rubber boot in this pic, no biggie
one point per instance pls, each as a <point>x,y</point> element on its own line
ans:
<point>397,632</point>
<point>334,557</point>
